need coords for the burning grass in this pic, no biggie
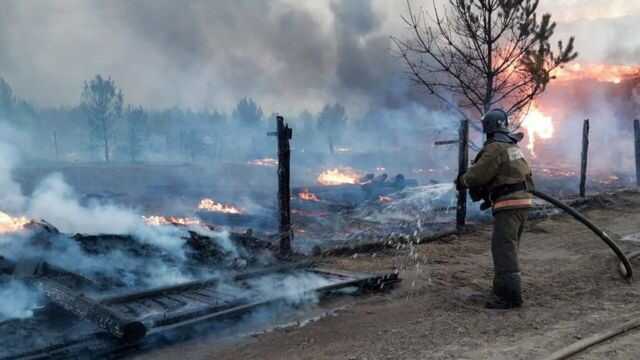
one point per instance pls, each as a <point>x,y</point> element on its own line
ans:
<point>156,220</point>
<point>307,195</point>
<point>339,176</point>
<point>214,206</point>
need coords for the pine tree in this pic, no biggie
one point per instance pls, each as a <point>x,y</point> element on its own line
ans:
<point>479,54</point>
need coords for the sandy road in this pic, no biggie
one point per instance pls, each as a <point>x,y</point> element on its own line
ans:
<point>571,291</point>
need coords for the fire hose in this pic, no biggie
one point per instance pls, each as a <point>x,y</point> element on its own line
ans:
<point>625,266</point>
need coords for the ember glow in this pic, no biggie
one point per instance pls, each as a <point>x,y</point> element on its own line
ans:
<point>214,206</point>
<point>268,162</point>
<point>599,72</point>
<point>339,176</point>
<point>308,196</point>
<point>9,224</point>
<point>169,220</point>
<point>538,126</point>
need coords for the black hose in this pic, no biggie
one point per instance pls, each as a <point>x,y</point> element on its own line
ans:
<point>628,272</point>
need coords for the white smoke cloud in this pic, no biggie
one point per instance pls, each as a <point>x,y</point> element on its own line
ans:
<point>18,300</point>
<point>55,201</point>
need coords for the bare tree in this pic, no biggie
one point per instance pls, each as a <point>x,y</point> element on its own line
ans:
<point>478,54</point>
<point>102,102</point>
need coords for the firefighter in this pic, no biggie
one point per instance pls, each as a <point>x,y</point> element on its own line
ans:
<point>502,177</point>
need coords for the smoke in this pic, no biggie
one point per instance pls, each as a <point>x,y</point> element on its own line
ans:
<point>19,300</point>
<point>286,54</point>
<point>56,201</point>
<point>295,288</point>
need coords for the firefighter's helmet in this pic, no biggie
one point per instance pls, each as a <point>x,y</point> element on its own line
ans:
<point>494,121</point>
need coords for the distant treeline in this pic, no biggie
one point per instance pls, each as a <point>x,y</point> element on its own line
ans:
<point>103,127</point>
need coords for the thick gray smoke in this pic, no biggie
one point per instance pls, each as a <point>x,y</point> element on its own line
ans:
<point>286,54</point>
<point>289,55</point>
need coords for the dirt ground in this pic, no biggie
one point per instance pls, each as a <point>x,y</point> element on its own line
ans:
<point>571,289</point>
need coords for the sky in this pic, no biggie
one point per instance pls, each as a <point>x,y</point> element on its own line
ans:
<point>289,55</point>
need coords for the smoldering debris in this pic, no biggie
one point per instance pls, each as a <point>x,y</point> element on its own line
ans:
<point>176,308</point>
<point>116,261</point>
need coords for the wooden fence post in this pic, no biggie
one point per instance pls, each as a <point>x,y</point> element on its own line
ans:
<point>636,128</point>
<point>285,133</point>
<point>463,165</point>
<point>585,156</point>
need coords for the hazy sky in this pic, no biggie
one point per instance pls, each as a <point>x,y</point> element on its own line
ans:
<point>288,54</point>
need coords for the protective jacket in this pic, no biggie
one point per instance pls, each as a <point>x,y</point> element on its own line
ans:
<point>498,166</point>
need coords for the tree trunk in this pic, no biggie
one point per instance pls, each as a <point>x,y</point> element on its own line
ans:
<point>55,145</point>
<point>105,139</point>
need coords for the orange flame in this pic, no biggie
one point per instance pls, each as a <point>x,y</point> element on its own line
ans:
<point>9,224</point>
<point>214,206</point>
<point>538,126</point>
<point>156,220</point>
<point>339,176</point>
<point>308,196</point>
<point>599,72</point>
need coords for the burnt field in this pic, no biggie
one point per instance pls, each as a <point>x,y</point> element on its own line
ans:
<point>572,290</point>
<point>123,259</point>
<point>332,206</point>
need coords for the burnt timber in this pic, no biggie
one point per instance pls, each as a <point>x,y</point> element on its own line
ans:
<point>176,308</point>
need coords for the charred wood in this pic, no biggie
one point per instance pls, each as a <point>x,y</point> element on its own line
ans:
<point>463,164</point>
<point>584,158</point>
<point>55,281</point>
<point>636,128</point>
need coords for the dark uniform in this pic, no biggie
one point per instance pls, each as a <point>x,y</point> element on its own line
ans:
<point>503,175</point>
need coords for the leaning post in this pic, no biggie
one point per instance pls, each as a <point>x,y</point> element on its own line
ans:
<point>463,165</point>
<point>636,128</point>
<point>284,134</point>
<point>585,156</point>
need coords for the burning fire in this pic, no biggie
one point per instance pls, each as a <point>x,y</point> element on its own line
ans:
<point>10,224</point>
<point>600,72</point>
<point>169,220</point>
<point>339,176</point>
<point>264,162</point>
<point>214,206</point>
<point>308,196</point>
<point>538,126</point>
